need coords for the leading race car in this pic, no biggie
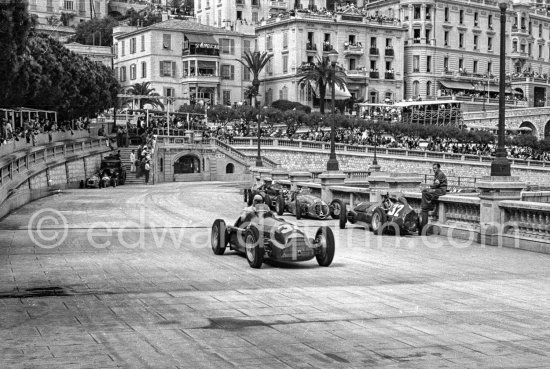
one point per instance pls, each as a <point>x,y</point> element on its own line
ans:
<point>261,235</point>
<point>391,215</point>
<point>301,203</point>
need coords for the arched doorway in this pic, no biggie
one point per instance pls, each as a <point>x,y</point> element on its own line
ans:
<point>187,164</point>
<point>529,125</point>
<point>547,130</point>
<point>229,168</point>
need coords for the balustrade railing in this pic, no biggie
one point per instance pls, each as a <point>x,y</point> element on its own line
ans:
<point>529,219</point>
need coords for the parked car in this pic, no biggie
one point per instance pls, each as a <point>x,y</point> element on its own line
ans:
<point>110,173</point>
<point>261,235</point>
<point>390,215</point>
<point>301,203</point>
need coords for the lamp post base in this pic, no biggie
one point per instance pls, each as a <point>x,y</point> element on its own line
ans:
<point>500,167</point>
<point>332,165</point>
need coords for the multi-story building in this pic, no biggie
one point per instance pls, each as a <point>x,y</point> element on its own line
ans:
<point>98,54</point>
<point>68,12</point>
<point>368,51</point>
<point>184,60</point>
<point>454,47</point>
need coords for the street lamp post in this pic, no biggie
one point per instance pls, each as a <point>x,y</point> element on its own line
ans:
<point>259,162</point>
<point>501,165</point>
<point>332,164</point>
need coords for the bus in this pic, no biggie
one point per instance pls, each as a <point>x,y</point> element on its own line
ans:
<point>433,112</point>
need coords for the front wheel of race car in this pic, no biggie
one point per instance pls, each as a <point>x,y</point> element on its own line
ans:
<point>218,237</point>
<point>254,248</point>
<point>324,238</point>
<point>377,220</point>
<point>298,210</point>
<point>280,205</point>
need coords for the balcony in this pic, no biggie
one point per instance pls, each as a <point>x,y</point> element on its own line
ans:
<point>356,73</point>
<point>278,5</point>
<point>201,78</point>
<point>374,75</point>
<point>311,48</point>
<point>389,52</point>
<point>517,31</point>
<point>200,51</point>
<point>306,66</point>
<point>374,51</point>
<point>354,49</point>
<point>327,47</point>
<point>239,2</point>
<point>517,54</point>
<point>389,75</point>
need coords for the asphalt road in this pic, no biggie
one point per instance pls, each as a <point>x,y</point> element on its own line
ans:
<point>126,277</point>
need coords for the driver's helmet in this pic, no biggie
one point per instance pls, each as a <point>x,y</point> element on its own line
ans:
<point>258,199</point>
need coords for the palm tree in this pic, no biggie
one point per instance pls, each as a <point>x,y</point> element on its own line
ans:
<point>255,62</point>
<point>249,93</point>
<point>142,89</point>
<point>320,74</point>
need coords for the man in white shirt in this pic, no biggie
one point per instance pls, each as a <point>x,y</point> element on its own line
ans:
<point>132,161</point>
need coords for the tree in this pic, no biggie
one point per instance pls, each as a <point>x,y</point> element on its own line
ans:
<point>255,63</point>
<point>143,89</point>
<point>95,32</point>
<point>320,75</point>
<point>249,93</point>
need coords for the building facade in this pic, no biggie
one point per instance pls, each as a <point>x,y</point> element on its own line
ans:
<point>453,47</point>
<point>183,60</point>
<point>98,54</point>
<point>68,12</point>
<point>368,51</point>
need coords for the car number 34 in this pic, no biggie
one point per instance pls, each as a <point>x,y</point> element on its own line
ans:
<point>395,210</point>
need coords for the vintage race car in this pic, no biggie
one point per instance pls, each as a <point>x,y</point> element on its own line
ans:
<point>301,203</point>
<point>391,215</point>
<point>261,235</point>
<point>269,192</point>
<point>111,173</point>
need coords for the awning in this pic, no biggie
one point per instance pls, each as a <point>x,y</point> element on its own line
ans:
<point>455,85</point>
<point>201,39</point>
<point>340,94</point>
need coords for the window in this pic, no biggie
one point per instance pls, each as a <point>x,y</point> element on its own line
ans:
<point>490,21</point>
<point>446,38</point>
<point>68,5</point>
<point>476,19</point>
<point>416,12</point>
<point>428,64</point>
<point>460,65</point>
<point>239,15</point>
<point>254,17</point>
<point>446,64</point>
<point>373,66</point>
<point>246,73</point>
<point>269,43</point>
<point>429,88</point>
<point>219,18</point>
<point>116,50</point>
<point>246,46</point>
<point>461,40</point>
<point>461,17</point>
<point>474,66</point>
<point>228,72</point>
<point>283,93</point>
<point>416,63</point>
<point>373,42</point>
<point>169,92</point>
<point>416,35</point>
<point>49,6</point>
<point>122,48</point>
<point>133,45</point>
<point>476,39</point>
<point>167,68</point>
<point>142,42</point>
<point>33,4</point>
<point>226,96</point>
<point>285,63</point>
<point>143,70</point>
<point>122,74</point>
<point>388,43</point>
<point>285,40</point>
<point>269,66</point>
<point>116,73</point>
<point>489,68</point>
<point>227,46</point>
<point>540,51</point>
<point>166,41</point>
<point>428,35</point>
<point>207,19</point>
<point>530,49</point>
<point>446,14</point>
<point>416,88</point>
<point>133,71</point>
<point>490,44</point>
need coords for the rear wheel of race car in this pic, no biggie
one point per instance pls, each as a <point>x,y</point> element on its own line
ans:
<point>336,207</point>
<point>218,237</point>
<point>298,210</point>
<point>280,205</point>
<point>254,248</point>
<point>377,220</point>
<point>325,239</point>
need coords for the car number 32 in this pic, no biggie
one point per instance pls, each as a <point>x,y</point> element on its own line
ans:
<point>395,210</point>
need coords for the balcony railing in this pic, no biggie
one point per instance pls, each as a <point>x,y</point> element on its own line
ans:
<point>311,47</point>
<point>389,52</point>
<point>353,50</point>
<point>389,75</point>
<point>356,73</point>
<point>201,51</point>
<point>278,4</point>
<point>327,47</point>
<point>374,51</point>
<point>374,75</point>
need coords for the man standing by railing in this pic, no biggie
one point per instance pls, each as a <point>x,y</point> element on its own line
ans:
<point>437,189</point>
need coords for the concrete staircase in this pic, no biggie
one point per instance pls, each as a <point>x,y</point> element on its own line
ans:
<point>125,158</point>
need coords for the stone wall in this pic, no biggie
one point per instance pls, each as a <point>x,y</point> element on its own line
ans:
<point>293,159</point>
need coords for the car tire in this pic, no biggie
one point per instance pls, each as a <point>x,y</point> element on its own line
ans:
<point>377,220</point>
<point>218,237</point>
<point>280,207</point>
<point>325,236</point>
<point>254,248</point>
<point>336,207</point>
<point>245,195</point>
<point>298,210</point>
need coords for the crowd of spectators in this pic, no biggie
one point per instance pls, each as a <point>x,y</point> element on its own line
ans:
<point>365,136</point>
<point>31,128</point>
